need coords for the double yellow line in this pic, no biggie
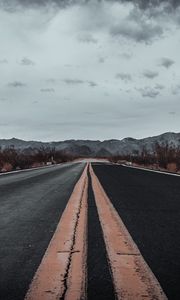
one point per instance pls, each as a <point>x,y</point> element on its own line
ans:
<point>62,273</point>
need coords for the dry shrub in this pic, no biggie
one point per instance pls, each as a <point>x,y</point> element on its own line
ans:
<point>172,167</point>
<point>14,159</point>
<point>7,167</point>
<point>36,165</point>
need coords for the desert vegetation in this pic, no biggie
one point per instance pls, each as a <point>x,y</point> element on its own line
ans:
<point>163,157</point>
<point>13,159</point>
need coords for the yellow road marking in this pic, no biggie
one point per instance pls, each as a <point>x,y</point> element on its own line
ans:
<point>133,279</point>
<point>62,272</point>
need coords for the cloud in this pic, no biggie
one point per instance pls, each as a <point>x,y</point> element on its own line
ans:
<point>68,66</point>
<point>3,61</point>
<point>17,84</point>
<point>47,90</point>
<point>150,74</point>
<point>172,112</point>
<point>175,89</point>
<point>149,4</point>
<point>69,81</point>
<point>76,54</point>
<point>143,4</point>
<point>67,98</point>
<point>148,92</point>
<point>166,62</point>
<point>126,55</point>
<point>101,60</point>
<point>51,80</point>
<point>26,62</point>
<point>137,29</point>
<point>139,33</point>
<point>10,5</point>
<point>3,124</point>
<point>128,91</point>
<point>126,77</point>
<point>87,38</point>
<point>159,86</point>
<point>92,83</point>
<point>73,81</point>
<point>3,99</point>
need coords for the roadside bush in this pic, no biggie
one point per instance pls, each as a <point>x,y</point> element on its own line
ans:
<point>163,156</point>
<point>12,159</point>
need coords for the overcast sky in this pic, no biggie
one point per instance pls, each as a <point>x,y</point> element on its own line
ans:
<point>89,70</point>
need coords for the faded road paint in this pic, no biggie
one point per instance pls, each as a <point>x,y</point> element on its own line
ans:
<point>62,272</point>
<point>132,277</point>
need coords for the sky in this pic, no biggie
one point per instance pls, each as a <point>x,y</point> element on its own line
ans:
<point>89,69</point>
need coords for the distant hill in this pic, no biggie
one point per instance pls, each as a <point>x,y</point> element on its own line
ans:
<point>90,148</point>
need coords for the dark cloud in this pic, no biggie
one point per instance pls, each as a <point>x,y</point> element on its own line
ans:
<point>3,61</point>
<point>4,124</point>
<point>140,31</point>
<point>67,98</point>
<point>150,74</point>
<point>26,62</point>
<point>87,38</point>
<point>69,65</point>
<point>126,55</point>
<point>128,91</point>
<point>150,3</point>
<point>166,62</point>
<point>148,92</point>
<point>172,112</point>
<point>92,83</point>
<point>126,77</point>
<point>176,89</point>
<point>16,84</point>
<point>79,81</point>
<point>47,90</point>
<point>27,3</point>
<point>143,4</point>
<point>159,86</point>
<point>73,81</point>
<point>51,80</point>
<point>101,60</point>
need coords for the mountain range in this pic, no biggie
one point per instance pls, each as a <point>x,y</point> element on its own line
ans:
<point>90,148</point>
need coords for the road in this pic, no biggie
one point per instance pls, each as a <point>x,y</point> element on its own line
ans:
<point>149,205</point>
<point>98,229</point>
<point>31,204</point>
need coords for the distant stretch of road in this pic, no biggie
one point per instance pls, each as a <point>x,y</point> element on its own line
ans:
<point>89,231</point>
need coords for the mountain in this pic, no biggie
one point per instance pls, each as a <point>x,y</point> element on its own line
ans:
<point>98,148</point>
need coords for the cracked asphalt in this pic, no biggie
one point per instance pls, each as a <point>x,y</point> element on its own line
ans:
<point>33,202</point>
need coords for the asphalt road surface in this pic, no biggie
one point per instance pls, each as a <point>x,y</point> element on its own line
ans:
<point>100,286</point>
<point>33,203</point>
<point>149,205</point>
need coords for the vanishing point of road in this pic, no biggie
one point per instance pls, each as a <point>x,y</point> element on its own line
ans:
<point>92,231</point>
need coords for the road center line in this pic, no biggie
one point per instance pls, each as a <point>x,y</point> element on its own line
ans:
<point>132,277</point>
<point>62,272</point>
